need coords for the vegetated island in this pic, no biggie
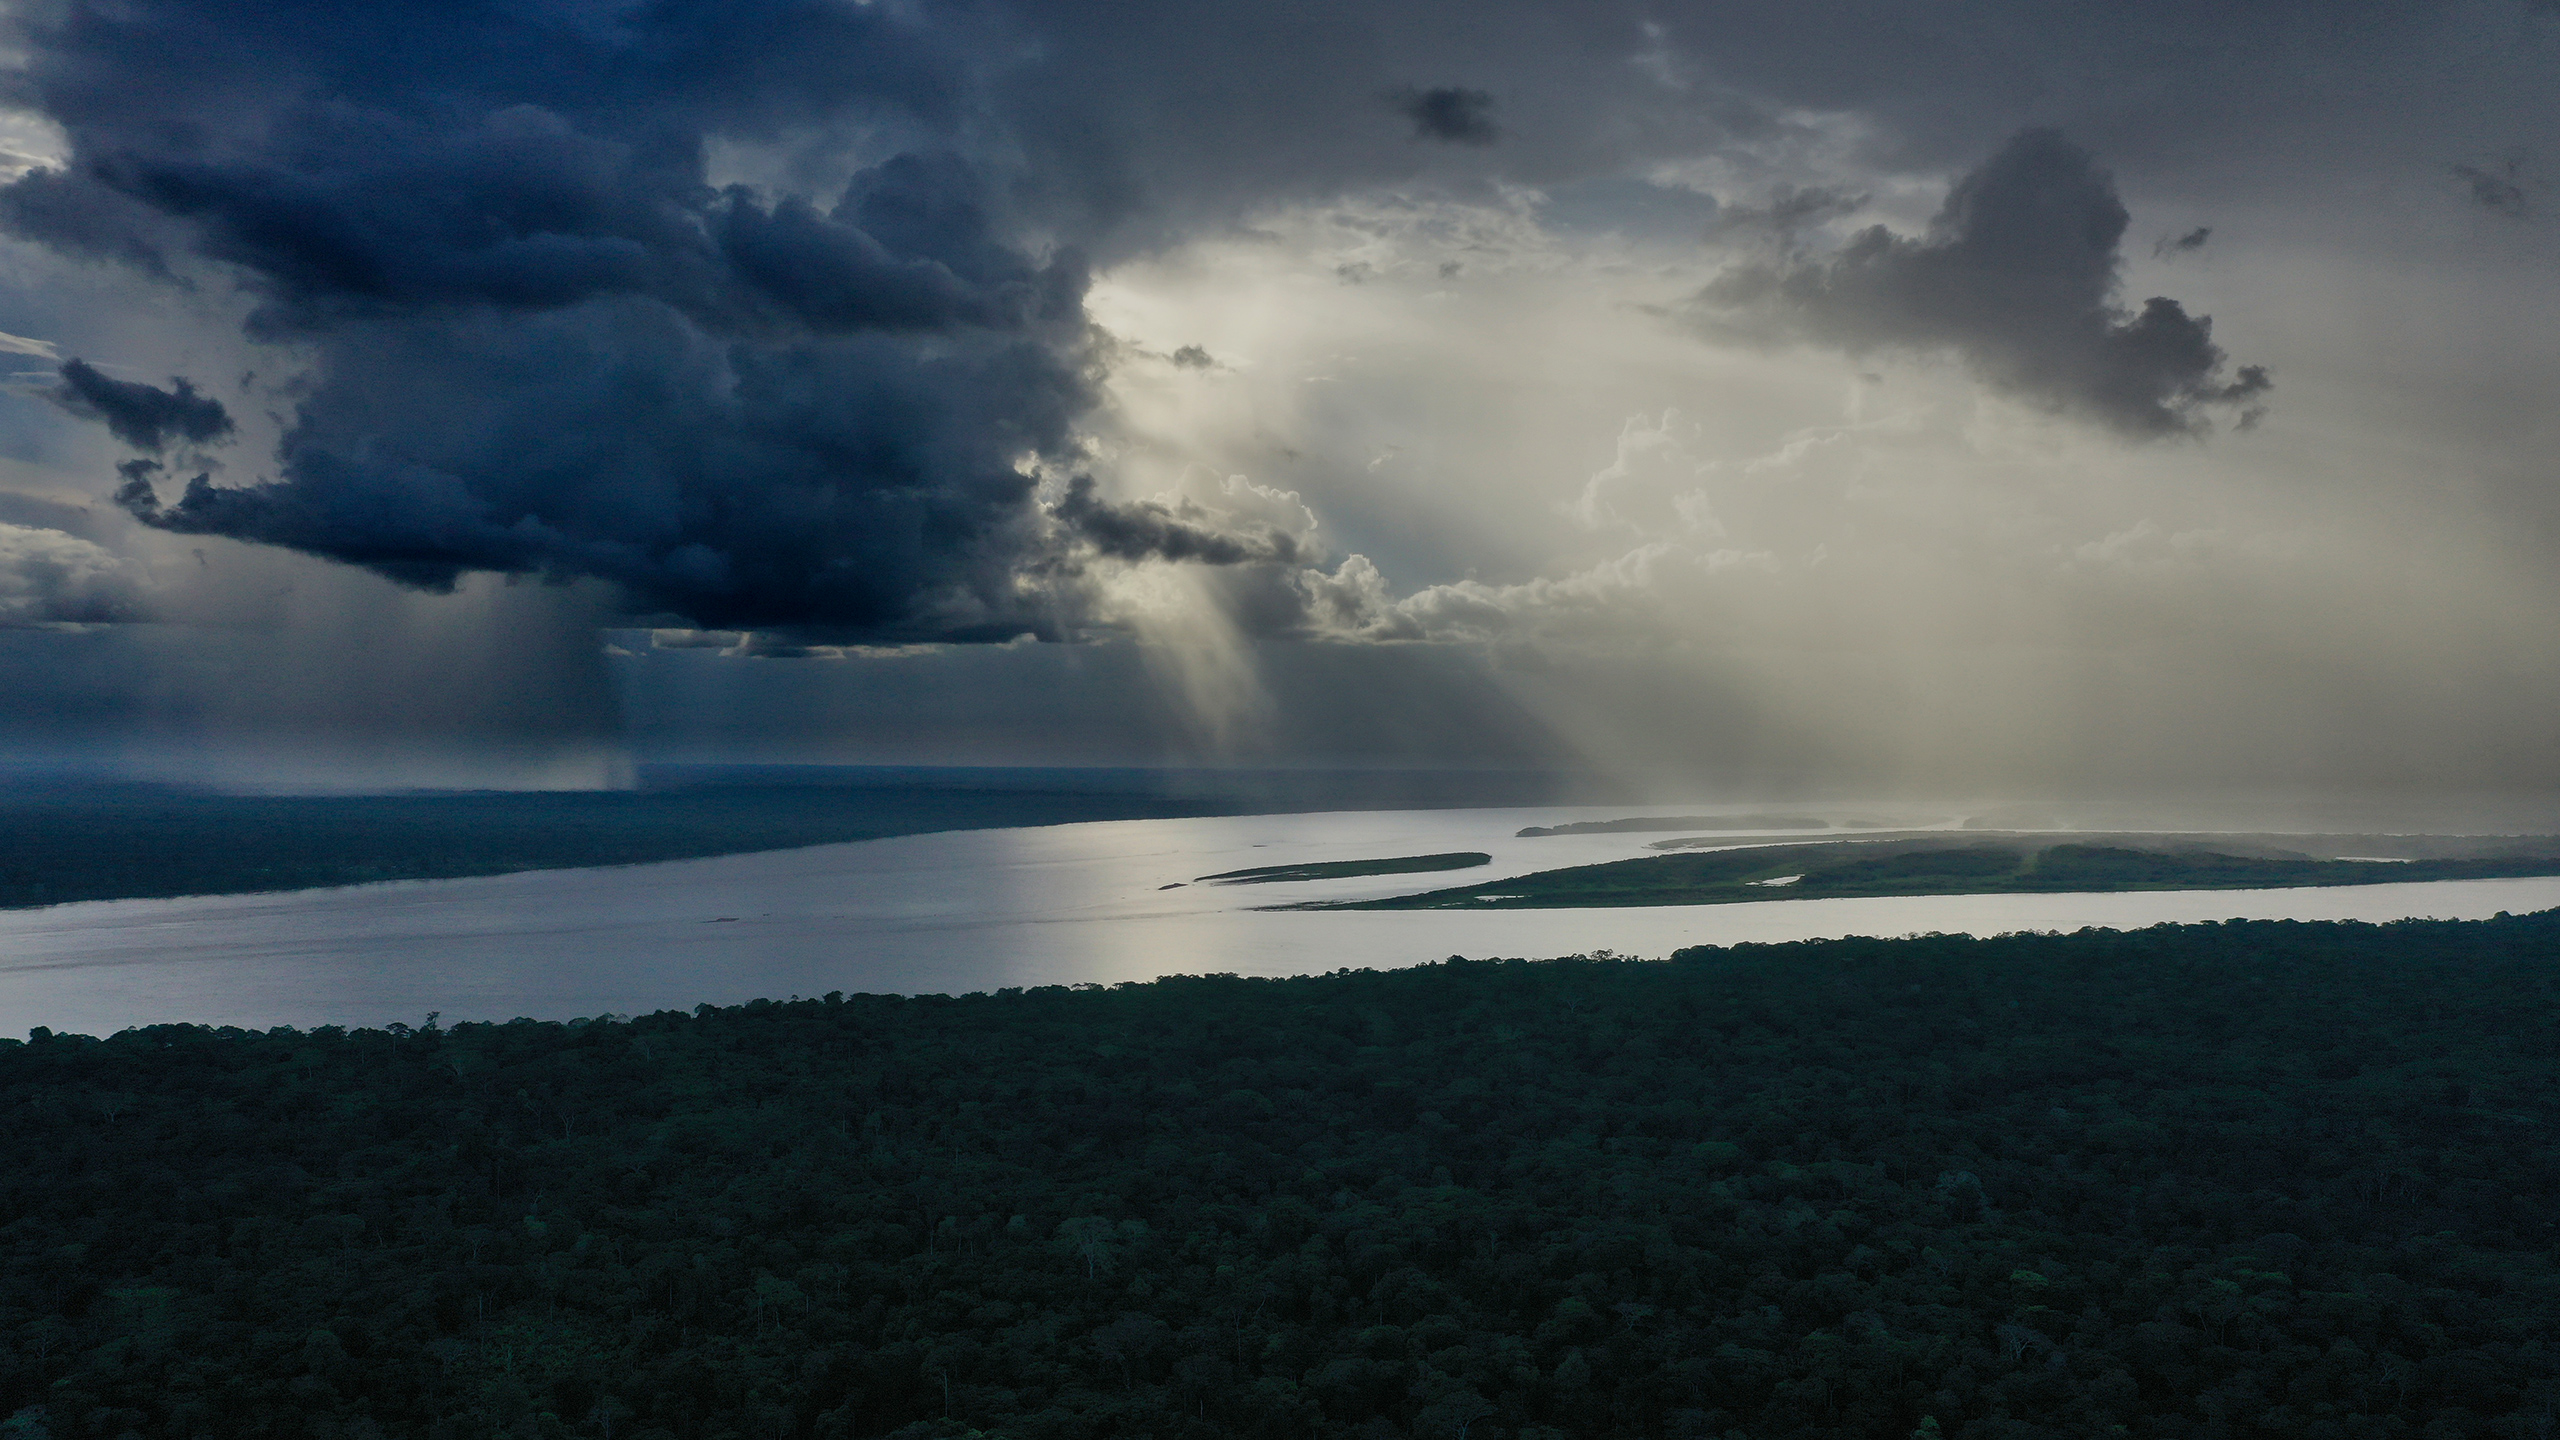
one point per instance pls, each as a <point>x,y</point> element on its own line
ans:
<point>2249,1179</point>
<point>1963,865</point>
<point>1347,869</point>
<point>1654,824</point>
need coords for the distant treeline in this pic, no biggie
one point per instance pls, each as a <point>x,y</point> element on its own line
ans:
<point>122,842</point>
<point>2018,865</point>
<point>2261,1179</point>
<point>66,841</point>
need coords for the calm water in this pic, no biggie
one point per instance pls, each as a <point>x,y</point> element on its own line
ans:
<point>959,912</point>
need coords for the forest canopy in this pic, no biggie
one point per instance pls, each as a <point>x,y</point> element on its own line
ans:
<point>2242,1179</point>
<point>64,841</point>
<point>1966,865</point>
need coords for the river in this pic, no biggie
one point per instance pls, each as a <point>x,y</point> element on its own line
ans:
<point>957,912</point>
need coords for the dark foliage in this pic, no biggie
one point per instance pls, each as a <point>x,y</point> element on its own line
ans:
<point>1974,866</point>
<point>118,842</point>
<point>2259,1179</point>
<point>75,841</point>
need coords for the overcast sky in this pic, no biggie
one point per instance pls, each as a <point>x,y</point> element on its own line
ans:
<point>1992,397</point>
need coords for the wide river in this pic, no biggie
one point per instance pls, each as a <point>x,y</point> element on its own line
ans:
<point>973,910</point>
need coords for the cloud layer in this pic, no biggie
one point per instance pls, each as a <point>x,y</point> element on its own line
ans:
<point>547,338</point>
<point>48,577</point>
<point>2020,276</point>
<point>773,315</point>
<point>1295,341</point>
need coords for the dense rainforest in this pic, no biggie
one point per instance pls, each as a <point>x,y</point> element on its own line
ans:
<point>70,840</point>
<point>1939,865</point>
<point>110,842</point>
<point>2248,1179</point>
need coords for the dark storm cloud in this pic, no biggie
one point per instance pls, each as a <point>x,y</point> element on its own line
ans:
<point>2019,275</point>
<point>849,480</point>
<point>2497,191</point>
<point>1449,114</point>
<point>1150,530</point>
<point>544,340</point>
<point>145,417</point>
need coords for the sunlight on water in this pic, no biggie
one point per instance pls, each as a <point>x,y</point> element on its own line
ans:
<point>975,910</point>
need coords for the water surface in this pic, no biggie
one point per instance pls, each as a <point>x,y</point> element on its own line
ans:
<point>974,910</point>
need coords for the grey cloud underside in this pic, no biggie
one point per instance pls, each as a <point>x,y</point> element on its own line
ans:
<point>51,577</point>
<point>1151,530</point>
<point>145,417</point>
<point>523,213</point>
<point>2020,276</point>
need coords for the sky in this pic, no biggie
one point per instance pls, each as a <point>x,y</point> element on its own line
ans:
<point>1975,397</point>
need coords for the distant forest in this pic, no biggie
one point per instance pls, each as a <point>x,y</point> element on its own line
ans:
<point>70,841</point>
<point>1937,866</point>
<point>2249,1179</point>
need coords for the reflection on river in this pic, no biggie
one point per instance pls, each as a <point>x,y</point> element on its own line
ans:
<point>975,910</point>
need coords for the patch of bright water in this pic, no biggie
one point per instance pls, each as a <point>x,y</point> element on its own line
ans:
<point>974,910</point>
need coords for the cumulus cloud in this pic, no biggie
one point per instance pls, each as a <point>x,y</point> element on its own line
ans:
<point>545,337</point>
<point>1658,449</point>
<point>551,331</point>
<point>1631,596</point>
<point>2020,276</point>
<point>145,417</point>
<point>846,481</point>
<point>48,577</point>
